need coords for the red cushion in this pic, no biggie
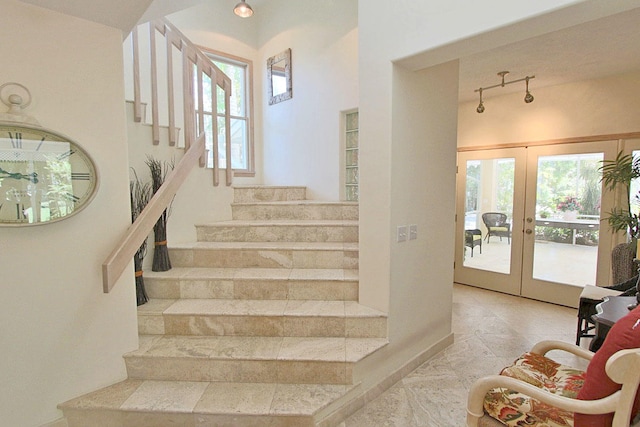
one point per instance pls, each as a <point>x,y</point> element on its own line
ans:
<point>624,334</point>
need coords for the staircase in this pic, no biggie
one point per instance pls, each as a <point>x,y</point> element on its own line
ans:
<point>257,324</point>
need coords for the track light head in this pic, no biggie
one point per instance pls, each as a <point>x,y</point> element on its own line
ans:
<point>243,10</point>
<point>480,108</point>
<point>528,98</point>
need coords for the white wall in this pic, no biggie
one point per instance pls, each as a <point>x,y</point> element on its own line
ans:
<point>196,202</point>
<point>60,335</point>
<point>297,141</point>
<point>593,107</point>
<point>302,135</point>
<point>422,158</point>
<point>424,35</point>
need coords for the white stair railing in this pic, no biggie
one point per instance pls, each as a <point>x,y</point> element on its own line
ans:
<point>194,135</point>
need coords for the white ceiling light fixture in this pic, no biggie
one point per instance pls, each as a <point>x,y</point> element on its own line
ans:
<point>528,98</point>
<point>243,10</point>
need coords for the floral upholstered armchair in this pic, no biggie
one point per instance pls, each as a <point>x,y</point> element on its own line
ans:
<point>537,391</point>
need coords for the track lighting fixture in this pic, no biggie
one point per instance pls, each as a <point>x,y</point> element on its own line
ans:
<point>243,10</point>
<point>528,98</point>
<point>480,108</point>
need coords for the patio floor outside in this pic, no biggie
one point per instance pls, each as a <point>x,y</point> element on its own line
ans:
<point>556,262</point>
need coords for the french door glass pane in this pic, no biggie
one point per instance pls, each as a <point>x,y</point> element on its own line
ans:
<point>489,190</point>
<point>568,197</point>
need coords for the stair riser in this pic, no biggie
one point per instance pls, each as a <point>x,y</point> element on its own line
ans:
<point>277,233</point>
<point>268,194</point>
<point>294,212</point>
<point>266,326</point>
<point>120,418</point>
<point>252,371</point>
<point>264,258</point>
<point>328,290</point>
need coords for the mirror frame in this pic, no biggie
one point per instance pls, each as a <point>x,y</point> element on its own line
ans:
<point>288,93</point>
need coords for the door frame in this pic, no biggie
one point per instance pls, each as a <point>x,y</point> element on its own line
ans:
<point>562,293</point>
<point>512,283</point>
<point>495,281</point>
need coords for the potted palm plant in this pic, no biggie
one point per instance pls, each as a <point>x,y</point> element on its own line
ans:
<point>618,174</point>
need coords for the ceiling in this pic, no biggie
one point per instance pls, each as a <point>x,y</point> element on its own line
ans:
<point>607,46</point>
<point>122,14</point>
<point>604,47</point>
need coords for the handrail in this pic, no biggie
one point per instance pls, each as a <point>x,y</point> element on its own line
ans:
<point>195,151</point>
<point>117,261</point>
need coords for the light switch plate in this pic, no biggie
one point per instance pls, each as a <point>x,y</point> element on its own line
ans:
<point>402,233</point>
<point>413,232</point>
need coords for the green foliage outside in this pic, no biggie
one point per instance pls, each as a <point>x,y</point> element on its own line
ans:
<point>559,178</point>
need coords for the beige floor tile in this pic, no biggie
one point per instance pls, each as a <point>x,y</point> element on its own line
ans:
<point>314,308</point>
<point>166,395</point>
<point>155,306</point>
<point>301,398</point>
<point>319,349</point>
<point>109,397</point>
<point>228,307</point>
<point>233,398</point>
<point>259,348</point>
<point>183,346</point>
<point>491,330</point>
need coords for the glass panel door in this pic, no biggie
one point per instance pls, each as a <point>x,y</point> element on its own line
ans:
<point>562,239</point>
<point>489,203</point>
<point>546,240</point>
<point>489,248</point>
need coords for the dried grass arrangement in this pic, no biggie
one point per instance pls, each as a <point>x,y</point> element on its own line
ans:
<point>140,194</point>
<point>159,171</point>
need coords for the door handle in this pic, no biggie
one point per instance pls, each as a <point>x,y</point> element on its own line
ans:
<point>528,231</point>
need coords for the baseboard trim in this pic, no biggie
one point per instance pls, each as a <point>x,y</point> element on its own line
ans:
<point>60,422</point>
<point>358,402</point>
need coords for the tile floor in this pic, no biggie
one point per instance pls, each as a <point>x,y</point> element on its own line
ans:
<point>491,330</point>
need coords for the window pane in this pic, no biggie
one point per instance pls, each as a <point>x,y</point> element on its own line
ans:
<point>352,193</point>
<point>489,203</point>
<point>238,83</point>
<point>206,95</point>
<point>352,175</point>
<point>352,157</point>
<point>238,144</point>
<point>352,121</point>
<point>352,139</point>
<point>222,153</point>
<point>567,217</point>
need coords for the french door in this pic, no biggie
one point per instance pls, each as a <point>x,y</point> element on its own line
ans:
<point>551,242</point>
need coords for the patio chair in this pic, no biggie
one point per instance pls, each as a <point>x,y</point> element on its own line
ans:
<point>473,238</point>
<point>537,391</point>
<point>497,225</point>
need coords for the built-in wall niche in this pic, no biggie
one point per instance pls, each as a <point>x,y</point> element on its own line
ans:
<point>279,77</point>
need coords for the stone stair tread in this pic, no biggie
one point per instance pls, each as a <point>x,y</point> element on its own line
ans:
<point>289,339</point>
<point>155,306</point>
<point>299,349</point>
<point>254,273</point>
<point>296,203</point>
<point>280,222</point>
<point>212,398</point>
<point>328,246</point>
<point>233,307</point>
